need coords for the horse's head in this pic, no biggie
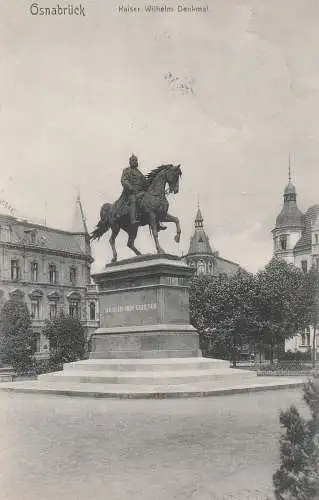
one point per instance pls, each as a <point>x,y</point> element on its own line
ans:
<point>173,174</point>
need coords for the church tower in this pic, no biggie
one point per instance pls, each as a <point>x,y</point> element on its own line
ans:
<point>289,224</point>
<point>200,254</point>
<point>79,227</point>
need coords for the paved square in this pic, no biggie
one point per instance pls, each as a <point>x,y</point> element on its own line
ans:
<point>102,449</point>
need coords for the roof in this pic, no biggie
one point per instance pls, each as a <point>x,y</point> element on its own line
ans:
<point>39,236</point>
<point>311,218</point>
<point>290,214</point>
<point>199,241</point>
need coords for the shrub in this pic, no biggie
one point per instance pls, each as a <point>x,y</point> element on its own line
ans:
<point>16,335</point>
<point>298,475</point>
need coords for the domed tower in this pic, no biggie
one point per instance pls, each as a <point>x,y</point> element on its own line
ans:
<point>289,224</point>
<point>200,254</point>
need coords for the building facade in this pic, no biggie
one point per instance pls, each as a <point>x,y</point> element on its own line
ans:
<point>296,240</point>
<point>50,269</point>
<point>201,256</point>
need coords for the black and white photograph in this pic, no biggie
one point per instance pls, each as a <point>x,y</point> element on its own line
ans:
<point>159,250</point>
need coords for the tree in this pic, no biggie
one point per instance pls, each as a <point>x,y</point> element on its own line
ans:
<point>16,335</point>
<point>311,302</point>
<point>279,302</point>
<point>225,308</point>
<point>298,475</point>
<point>67,339</point>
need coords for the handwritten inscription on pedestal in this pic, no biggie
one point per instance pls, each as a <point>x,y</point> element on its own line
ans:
<point>129,308</point>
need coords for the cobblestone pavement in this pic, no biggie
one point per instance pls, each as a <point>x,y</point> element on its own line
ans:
<point>217,448</point>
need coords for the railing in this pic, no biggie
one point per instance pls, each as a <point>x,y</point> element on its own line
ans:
<point>286,368</point>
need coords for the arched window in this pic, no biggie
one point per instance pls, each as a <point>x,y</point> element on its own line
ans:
<point>92,311</point>
<point>53,310</point>
<point>74,309</point>
<point>283,242</point>
<point>201,268</point>
<point>35,308</point>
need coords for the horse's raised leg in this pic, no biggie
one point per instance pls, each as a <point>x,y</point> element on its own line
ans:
<point>171,218</point>
<point>115,232</point>
<point>153,225</point>
<point>131,239</point>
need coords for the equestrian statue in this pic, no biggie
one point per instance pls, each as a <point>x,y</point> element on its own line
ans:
<point>142,202</point>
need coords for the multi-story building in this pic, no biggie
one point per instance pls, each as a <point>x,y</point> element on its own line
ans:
<point>50,269</point>
<point>296,240</point>
<point>201,256</point>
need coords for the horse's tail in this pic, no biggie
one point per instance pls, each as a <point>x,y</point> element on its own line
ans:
<point>104,223</point>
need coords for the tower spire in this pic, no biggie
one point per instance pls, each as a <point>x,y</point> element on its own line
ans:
<point>289,169</point>
<point>199,218</point>
<point>79,221</point>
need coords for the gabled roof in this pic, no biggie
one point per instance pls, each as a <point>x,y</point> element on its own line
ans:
<point>311,218</point>
<point>39,236</point>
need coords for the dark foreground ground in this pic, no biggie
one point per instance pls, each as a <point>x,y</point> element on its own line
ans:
<point>97,449</point>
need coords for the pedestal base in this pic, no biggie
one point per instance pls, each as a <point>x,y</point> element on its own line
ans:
<point>151,341</point>
<point>144,310</point>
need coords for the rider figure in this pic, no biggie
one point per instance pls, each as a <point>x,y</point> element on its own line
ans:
<point>134,182</point>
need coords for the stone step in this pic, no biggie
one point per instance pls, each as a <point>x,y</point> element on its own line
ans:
<point>156,391</point>
<point>157,365</point>
<point>147,377</point>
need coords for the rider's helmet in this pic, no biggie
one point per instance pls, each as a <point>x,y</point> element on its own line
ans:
<point>133,161</point>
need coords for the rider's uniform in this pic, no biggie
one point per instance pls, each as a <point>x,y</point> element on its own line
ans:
<point>133,182</point>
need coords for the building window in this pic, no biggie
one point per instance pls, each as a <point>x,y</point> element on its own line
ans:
<point>283,242</point>
<point>74,310</point>
<point>33,234</point>
<point>316,238</point>
<point>52,273</point>
<point>34,271</point>
<point>308,338</point>
<point>15,270</point>
<point>92,311</point>
<point>35,308</point>
<point>303,339</point>
<point>317,264</point>
<point>88,275</point>
<point>7,233</point>
<point>53,310</point>
<point>73,275</point>
<point>304,266</point>
<point>201,268</point>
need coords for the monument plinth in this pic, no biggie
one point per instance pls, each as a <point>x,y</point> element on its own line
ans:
<point>144,310</point>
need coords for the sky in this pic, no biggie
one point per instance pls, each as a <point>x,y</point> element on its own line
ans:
<point>228,94</point>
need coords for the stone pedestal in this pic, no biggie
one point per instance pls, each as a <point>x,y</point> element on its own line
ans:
<point>144,310</point>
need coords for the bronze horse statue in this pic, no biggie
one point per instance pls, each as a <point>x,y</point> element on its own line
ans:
<point>153,209</point>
